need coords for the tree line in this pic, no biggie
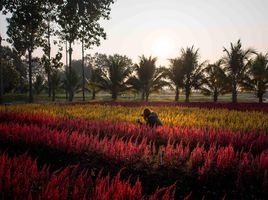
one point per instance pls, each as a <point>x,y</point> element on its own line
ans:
<point>239,70</point>
<point>33,23</point>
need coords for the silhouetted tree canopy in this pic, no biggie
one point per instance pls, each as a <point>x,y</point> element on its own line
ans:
<point>148,77</point>
<point>236,62</point>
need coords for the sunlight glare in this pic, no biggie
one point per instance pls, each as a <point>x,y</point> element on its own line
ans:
<point>163,46</point>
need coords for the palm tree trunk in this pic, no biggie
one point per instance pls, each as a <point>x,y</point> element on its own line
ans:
<point>260,99</point>
<point>66,92</point>
<point>49,56</point>
<point>1,74</point>
<point>53,92</point>
<point>67,87</point>
<point>234,91</point>
<point>49,83</point>
<point>215,96</point>
<point>114,95</point>
<point>83,71</point>
<point>93,94</point>
<point>142,95</point>
<point>21,84</point>
<point>177,93</point>
<point>260,95</point>
<point>30,76</point>
<point>147,96</point>
<point>187,94</point>
<point>70,72</point>
<point>187,89</point>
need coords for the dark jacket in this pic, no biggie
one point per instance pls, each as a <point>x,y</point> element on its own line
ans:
<point>153,120</point>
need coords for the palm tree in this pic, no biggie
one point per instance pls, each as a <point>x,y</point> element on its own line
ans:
<point>72,81</point>
<point>38,85</point>
<point>113,77</point>
<point>256,76</point>
<point>176,74</point>
<point>93,81</point>
<point>215,82</point>
<point>55,82</point>
<point>148,78</point>
<point>236,63</point>
<point>193,70</point>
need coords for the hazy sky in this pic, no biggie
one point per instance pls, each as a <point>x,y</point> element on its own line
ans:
<point>162,27</point>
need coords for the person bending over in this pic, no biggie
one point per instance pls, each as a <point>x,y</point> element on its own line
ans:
<point>151,118</point>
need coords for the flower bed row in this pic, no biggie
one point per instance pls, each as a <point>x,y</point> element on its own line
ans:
<point>20,178</point>
<point>253,141</point>
<point>201,160</point>
<point>170,116</point>
<point>262,107</point>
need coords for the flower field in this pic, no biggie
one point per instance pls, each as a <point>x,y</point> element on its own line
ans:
<point>96,151</point>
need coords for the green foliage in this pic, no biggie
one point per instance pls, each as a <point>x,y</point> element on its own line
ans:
<point>114,75</point>
<point>25,29</point>
<point>38,84</point>
<point>148,78</point>
<point>256,76</point>
<point>236,62</point>
<point>77,66</point>
<point>176,74</point>
<point>79,20</point>
<point>95,64</point>
<point>14,72</point>
<point>192,69</point>
<point>75,83</point>
<point>215,81</point>
<point>55,82</point>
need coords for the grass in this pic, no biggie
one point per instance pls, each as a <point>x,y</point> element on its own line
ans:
<point>163,96</point>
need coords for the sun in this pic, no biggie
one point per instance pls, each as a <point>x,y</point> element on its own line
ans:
<point>163,46</point>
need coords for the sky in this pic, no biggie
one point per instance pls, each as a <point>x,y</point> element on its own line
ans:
<point>161,28</point>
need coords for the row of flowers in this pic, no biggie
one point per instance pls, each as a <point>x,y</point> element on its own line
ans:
<point>209,105</point>
<point>203,153</point>
<point>20,178</point>
<point>169,115</point>
<point>253,141</point>
<point>202,160</point>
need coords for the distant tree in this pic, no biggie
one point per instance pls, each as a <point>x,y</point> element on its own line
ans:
<point>55,82</point>
<point>1,71</point>
<point>56,64</point>
<point>215,81</point>
<point>114,76</point>
<point>78,20</point>
<point>176,75</point>
<point>14,71</point>
<point>77,66</point>
<point>74,84</point>
<point>16,55</point>
<point>94,81</point>
<point>83,68</point>
<point>50,65</point>
<point>95,64</point>
<point>236,62</point>
<point>148,77</point>
<point>193,70</point>
<point>25,27</point>
<point>256,76</point>
<point>38,84</point>
<point>50,16</point>
<point>10,73</point>
<point>21,67</point>
<point>88,42</point>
